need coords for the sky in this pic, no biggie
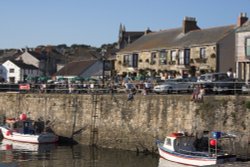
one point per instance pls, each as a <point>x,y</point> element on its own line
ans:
<point>29,23</point>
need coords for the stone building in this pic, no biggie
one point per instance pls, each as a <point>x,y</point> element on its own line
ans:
<point>127,37</point>
<point>188,50</point>
<point>243,48</point>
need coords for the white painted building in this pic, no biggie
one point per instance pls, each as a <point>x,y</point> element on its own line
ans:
<point>85,69</point>
<point>17,71</point>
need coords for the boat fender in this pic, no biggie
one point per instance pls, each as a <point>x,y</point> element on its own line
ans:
<point>9,147</point>
<point>8,133</point>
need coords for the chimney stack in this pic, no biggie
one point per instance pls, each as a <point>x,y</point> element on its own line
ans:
<point>147,31</point>
<point>189,24</point>
<point>242,19</point>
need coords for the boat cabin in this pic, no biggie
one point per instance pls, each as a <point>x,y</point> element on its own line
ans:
<point>179,142</point>
<point>20,126</point>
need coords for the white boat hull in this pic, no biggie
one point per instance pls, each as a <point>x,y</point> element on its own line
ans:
<point>6,144</point>
<point>192,159</point>
<point>29,138</point>
<point>186,160</point>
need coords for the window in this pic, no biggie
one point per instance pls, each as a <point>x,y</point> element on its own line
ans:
<point>203,53</point>
<point>181,57</point>
<point>173,55</point>
<point>187,57</point>
<point>131,60</point>
<point>153,57</point>
<point>135,60</point>
<point>247,46</point>
<point>12,79</point>
<point>163,57</point>
<point>127,60</point>
<point>169,142</point>
<point>184,57</point>
<point>12,70</point>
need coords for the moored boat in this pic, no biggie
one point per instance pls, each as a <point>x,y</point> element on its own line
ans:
<point>6,144</point>
<point>23,130</point>
<point>179,148</point>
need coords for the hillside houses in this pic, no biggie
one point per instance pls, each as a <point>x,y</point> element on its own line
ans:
<point>188,50</point>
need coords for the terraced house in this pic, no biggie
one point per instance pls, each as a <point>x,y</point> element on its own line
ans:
<point>243,48</point>
<point>188,50</point>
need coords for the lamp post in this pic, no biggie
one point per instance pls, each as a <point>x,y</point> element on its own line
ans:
<point>103,52</point>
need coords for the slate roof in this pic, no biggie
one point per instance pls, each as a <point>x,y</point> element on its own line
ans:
<point>12,55</point>
<point>133,35</point>
<point>37,55</point>
<point>75,68</point>
<point>174,38</point>
<point>22,65</point>
<point>244,27</point>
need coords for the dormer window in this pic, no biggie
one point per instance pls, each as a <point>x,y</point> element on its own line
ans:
<point>247,47</point>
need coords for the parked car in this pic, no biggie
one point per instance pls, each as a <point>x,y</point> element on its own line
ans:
<point>211,77</point>
<point>245,87</point>
<point>229,85</point>
<point>220,83</point>
<point>174,85</point>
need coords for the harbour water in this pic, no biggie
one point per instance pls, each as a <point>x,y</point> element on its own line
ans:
<point>15,154</point>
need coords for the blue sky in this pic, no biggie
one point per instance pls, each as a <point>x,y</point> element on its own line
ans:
<point>96,22</point>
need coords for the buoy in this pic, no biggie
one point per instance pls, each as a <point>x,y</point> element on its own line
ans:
<point>8,147</point>
<point>23,117</point>
<point>213,142</point>
<point>8,133</point>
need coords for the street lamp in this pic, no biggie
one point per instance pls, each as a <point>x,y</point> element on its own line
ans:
<point>103,52</point>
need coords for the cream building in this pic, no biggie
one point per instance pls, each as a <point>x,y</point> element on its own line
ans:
<point>188,50</point>
<point>243,48</point>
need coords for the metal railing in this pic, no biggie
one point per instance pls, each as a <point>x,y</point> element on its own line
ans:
<point>179,87</point>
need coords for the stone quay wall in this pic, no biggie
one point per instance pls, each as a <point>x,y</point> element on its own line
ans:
<point>113,122</point>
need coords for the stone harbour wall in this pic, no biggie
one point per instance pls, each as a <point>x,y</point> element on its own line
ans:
<point>113,122</point>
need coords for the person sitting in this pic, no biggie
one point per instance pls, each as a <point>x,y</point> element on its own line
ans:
<point>201,93</point>
<point>196,92</point>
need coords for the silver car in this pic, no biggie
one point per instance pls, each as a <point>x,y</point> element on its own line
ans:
<point>174,85</point>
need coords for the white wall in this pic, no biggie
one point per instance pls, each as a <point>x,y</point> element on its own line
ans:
<point>16,74</point>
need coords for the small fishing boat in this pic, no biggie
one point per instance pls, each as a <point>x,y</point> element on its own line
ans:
<point>23,130</point>
<point>6,144</point>
<point>179,148</point>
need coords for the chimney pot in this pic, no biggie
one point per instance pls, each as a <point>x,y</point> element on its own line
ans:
<point>242,19</point>
<point>189,24</point>
<point>147,31</point>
